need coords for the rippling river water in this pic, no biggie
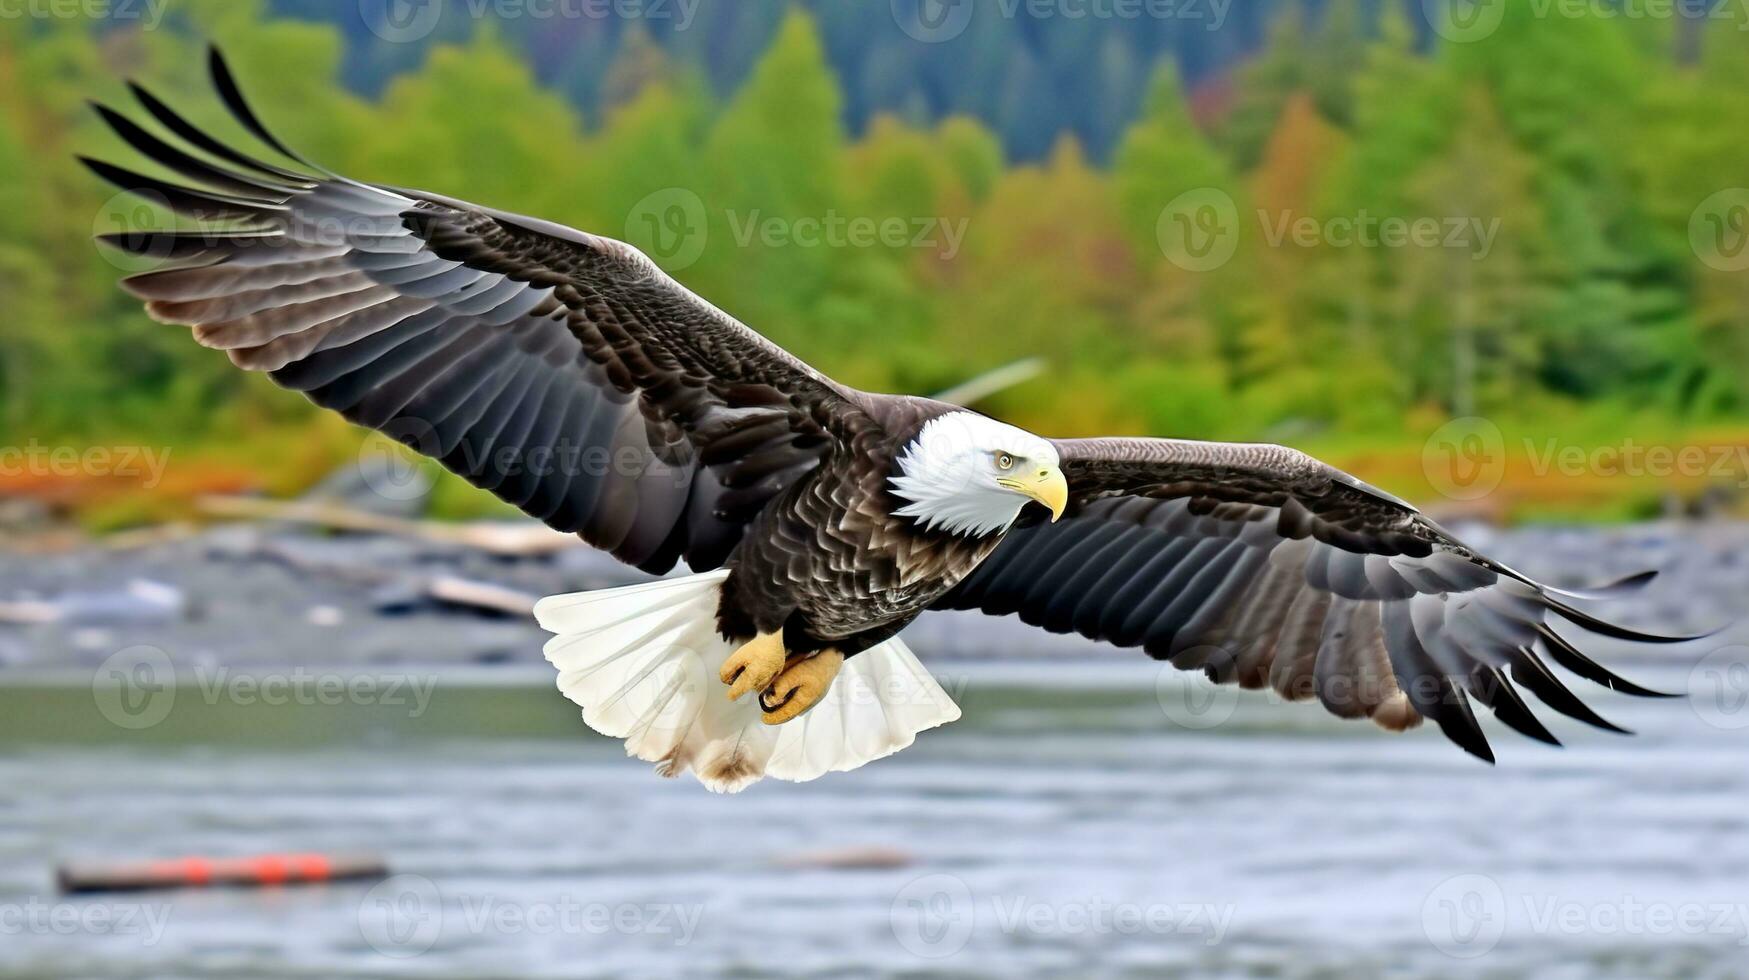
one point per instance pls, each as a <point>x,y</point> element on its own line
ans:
<point>1057,831</point>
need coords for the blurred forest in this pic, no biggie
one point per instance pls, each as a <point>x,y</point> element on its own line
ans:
<point>1586,146</point>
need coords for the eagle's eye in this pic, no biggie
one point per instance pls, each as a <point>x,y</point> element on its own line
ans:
<point>1004,461</point>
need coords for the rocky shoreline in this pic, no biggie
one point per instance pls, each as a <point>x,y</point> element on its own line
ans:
<point>275,594</point>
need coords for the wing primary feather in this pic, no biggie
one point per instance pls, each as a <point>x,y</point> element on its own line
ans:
<point>173,246</point>
<point>1431,691</point>
<point>1068,589</point>
<point>1491,687</point>
<point>1612,630</point>
<point>1529,670</point>
<point>1625,586</point>
<point>1092,612</point>
<point>233,99</point>
<point>1569,656</point>
<point>184,163</point>
<point>202,205</point>
<point>1205,580</point>
<point>173,121</point>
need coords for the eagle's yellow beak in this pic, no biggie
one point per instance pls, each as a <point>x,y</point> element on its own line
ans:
<point>1045,485</point>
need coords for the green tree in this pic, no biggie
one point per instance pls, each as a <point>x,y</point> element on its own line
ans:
<point>1162,156</point>
<point>445,128</point>
<point>1479,297</point>
<point>1262,86</point>
<point>776,159</point>
<point>1319,61</point>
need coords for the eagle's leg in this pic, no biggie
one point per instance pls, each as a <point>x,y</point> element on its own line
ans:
<point>801,686</point>
<point>755,665</point>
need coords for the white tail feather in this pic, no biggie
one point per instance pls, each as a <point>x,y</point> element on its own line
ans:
<point>643,663</point>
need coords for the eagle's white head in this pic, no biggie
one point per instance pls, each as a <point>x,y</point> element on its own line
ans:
<point>968,474</point>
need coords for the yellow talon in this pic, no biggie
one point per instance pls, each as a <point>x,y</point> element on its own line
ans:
<point>801,686</point>
<point>753,667</point>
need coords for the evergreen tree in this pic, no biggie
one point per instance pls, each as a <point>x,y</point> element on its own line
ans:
<point>1263,85</point>
<point>445,129</point>
<point>776,156</point>
<point>1480,297</point>
<point>1161,157</point>
<point>639,64</point>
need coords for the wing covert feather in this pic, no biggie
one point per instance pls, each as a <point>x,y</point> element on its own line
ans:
<point>1261,566</point>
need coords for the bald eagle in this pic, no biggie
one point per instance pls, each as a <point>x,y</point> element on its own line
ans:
<point>567,374</point>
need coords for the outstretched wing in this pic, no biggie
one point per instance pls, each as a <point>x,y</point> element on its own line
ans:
<point>1263,567</point>
<point>562,371</point>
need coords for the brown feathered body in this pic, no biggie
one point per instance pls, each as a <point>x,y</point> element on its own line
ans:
<point>828,561</point>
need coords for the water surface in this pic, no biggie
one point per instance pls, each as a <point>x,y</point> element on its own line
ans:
<point>1055,830</point>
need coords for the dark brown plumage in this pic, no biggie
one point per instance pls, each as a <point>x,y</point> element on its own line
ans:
<point>1261,566</point>
<point>571,377</point>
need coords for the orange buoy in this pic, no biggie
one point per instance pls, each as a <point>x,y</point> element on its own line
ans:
<point>261,870</point>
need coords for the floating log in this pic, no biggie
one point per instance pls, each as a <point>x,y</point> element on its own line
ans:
<point>870,858</point>
<point>455,591</point>
<point>262,870</point>
<point>509,538</point>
